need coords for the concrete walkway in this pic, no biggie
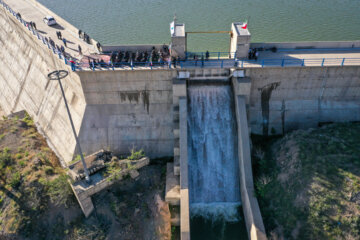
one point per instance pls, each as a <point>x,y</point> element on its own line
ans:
<point>30,12</point>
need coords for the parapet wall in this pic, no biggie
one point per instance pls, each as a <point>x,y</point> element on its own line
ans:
<point>308,45</point>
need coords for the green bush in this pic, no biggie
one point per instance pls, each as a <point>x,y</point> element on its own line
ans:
<point>136,155</point>
<point>6,158</point>
<point>15,180</point>
<point>22,163</point>
<point>59,191</point>
<point>27,119</point>
<point>49,170</point>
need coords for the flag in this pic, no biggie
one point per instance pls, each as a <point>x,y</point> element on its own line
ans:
<point>245,24</point>
<point>172,28</point>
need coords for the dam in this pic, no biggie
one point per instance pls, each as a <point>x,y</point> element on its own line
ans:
<point>159,105</point>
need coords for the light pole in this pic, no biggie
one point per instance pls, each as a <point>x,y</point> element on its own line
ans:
<point>57,75</point>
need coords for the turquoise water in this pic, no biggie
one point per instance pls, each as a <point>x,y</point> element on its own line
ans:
<point>115,22</point>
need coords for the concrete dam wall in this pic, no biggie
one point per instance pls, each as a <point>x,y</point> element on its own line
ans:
<point>128,109</point>
<point>122,109</point>
<point>24,65</point>
<point>284,99</point>
<point>117,110</point>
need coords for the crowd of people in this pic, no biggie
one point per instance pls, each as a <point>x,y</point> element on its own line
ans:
<point>160,56</point>
<point>253,54</point>
<point>154,56</point>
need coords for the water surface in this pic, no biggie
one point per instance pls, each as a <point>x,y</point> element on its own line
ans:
<point>115,22</point>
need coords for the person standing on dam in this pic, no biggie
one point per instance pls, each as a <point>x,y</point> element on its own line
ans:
<point>64,41</point>
<point>79,47</point>
<point>62,50</point>
<point>73,67</point>
<point>80,33</point>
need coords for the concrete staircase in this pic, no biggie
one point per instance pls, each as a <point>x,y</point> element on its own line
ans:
<point>172,196</point>
<point>173,169</point>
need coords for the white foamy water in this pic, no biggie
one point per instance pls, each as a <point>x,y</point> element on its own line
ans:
<point>217,211</point>
<point>213,158</point>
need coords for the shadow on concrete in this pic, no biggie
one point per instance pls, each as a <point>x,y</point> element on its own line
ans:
<point>75,50</point>
<point>57,26</point>
<point>42,32</point>
<point>67,41</point>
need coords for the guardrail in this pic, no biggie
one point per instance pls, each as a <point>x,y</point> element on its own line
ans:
<point>212,55</point>
<point>294,62</point>
<point>215,60</point>
<point>44,40</point>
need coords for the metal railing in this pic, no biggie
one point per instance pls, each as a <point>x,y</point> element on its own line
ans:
<point>44,40</point>
<point>223,63</point>
<point>212,55</point>
<point>295,62</point>
<point>215,60</point>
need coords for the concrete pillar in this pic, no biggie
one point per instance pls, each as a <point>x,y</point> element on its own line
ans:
<point>184,185</point>
<point>240,40</point>
<point>178,39</point>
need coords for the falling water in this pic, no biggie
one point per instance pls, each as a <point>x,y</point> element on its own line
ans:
<point>213,157</point>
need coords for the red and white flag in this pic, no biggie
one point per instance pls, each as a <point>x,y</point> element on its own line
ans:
<point>245,25</point>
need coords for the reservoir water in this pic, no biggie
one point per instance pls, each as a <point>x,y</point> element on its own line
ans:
<point>114,22</point>
<point>214,191</point>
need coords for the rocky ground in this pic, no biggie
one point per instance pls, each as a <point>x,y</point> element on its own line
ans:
<point>36,201</point>
<point>308,183</point>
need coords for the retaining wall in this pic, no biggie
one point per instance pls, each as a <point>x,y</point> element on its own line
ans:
<point>284,99</point>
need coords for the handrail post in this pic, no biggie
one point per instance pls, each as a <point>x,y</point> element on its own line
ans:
<point>242,63</point>
<point>218,55</point>
<point>283,62</point>
<point>222,63</point>
<point>303,63</point>
<point>262,63</point>
<point>322,64</point>
<point>343,61</point>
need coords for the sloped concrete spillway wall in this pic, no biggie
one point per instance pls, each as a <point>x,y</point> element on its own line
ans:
<point>24,65</point>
